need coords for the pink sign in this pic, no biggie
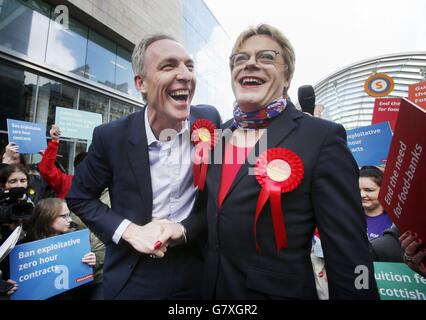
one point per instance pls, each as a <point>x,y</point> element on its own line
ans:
<point>386,109</point>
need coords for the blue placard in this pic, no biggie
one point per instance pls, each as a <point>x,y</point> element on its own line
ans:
<point>370,145</point>
<point>77,124</point>
<point>30,137</point>
<point>51,266</point>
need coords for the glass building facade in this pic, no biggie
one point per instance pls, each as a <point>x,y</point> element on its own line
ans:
<point>210,46</point>
<point>343,95</point>
<point>44,65</point>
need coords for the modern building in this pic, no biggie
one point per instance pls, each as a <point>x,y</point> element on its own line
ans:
<point>343,95</point>
<point>77,54</point>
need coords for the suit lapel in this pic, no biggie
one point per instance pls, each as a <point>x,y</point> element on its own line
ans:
<point>277,131</point>
<point>139,161</point>
<point>218,159</point>
<point>283,126</point>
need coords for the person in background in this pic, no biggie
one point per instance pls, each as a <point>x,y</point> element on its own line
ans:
<point>52,218</point>
<point>38,188</point>
<point>370,179</point>
<point>59,181</point>
<point>13,176</point>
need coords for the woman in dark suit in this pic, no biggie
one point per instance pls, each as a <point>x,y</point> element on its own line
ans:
<point>282,174</point>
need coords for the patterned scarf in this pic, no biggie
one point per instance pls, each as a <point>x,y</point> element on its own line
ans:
<point>258,119</point>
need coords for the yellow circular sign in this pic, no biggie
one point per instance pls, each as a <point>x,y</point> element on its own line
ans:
<point>278,170</point>
<point>379,85</point>
<point>204,135</point>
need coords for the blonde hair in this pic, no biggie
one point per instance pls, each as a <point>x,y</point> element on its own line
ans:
<point>276,35</point>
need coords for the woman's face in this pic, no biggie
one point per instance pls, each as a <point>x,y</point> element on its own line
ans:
<point>16,180</point>
<point>62,222</point>
<point>369,193</point>
<point>256,84</point>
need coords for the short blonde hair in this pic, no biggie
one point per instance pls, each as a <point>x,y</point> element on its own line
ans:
<point>276,35</point>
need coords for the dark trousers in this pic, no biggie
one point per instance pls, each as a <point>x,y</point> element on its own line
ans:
<point>177,276</point>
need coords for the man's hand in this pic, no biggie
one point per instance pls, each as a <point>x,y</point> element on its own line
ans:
<point>55,132</point>
<point>144,238</point>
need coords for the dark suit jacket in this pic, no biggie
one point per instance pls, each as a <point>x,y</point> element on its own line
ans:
<point>387,248</point>
<point>328,197</point>
<point>118,160</point>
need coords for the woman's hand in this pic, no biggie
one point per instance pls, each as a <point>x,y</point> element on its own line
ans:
<point>414,252</point>
<point>89,259</point>
<point>55,132</point>
<point>14,288</point>
<point>11,155</point>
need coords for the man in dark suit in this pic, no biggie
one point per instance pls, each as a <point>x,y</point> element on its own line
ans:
<point>144,160</point>
<point>262,214</point>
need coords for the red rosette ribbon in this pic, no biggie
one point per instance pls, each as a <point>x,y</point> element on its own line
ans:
<point>277,170</point>
<point>205,137</point>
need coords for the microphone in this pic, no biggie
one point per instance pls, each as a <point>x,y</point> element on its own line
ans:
<point>306,96</point>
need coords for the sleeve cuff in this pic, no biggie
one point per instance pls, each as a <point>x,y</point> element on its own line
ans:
<point>120,230</point>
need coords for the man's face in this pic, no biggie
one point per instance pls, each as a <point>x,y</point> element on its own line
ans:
<point>256,84</point>
<point>168,83</point>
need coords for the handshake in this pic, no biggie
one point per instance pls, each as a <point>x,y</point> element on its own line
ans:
<point>154,237</point>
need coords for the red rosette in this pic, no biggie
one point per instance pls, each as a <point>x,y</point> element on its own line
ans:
<point>278,171</point>
<point>205,137</point>
<point>198,132</point>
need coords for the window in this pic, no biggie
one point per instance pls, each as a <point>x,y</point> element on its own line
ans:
<point>124,73</point>
<point>66,48</point>
<point>101,60</point>
<point>17,94</point>
<point>24,26</point>
<point>53,94</point>
<point>95,103</point>
<point>120,109</point>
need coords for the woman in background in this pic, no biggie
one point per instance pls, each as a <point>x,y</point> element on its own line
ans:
<point>52,218</point>
<point>370,179</point>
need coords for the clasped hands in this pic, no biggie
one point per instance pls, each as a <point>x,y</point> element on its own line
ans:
<point>154,237</point>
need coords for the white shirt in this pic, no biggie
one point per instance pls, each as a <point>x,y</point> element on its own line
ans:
<point>173,190</point>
